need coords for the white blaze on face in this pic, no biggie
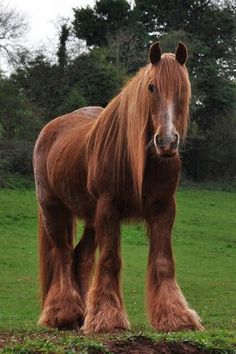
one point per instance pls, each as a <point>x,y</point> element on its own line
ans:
<point>166,133</point>
<point>169,117</point>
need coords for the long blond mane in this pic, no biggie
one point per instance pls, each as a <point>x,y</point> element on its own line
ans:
<point>118,139</point>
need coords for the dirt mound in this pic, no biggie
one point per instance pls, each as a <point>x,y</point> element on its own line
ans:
<point>143,345</point>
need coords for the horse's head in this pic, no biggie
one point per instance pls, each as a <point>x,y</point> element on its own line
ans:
<point>169,92</point>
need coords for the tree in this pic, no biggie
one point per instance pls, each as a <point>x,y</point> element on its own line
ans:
<point>19,127</point>
<point>63,38</point>
<point>13,28</point>
<point>88,79</point>
<point>43,84</point>
<point>113,25</point>
<point>17,120</point>
<point>73,100</point>
<point>210,22</point>
<point>95,24</point>
<point>96,79</point>
<point>117,36</point>
<point>128,46</point>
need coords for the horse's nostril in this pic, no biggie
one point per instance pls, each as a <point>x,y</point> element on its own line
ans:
<point>166,142</point>
<point>158,141</point>
<point>175,143</point>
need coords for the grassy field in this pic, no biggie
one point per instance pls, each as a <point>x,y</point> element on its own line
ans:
<point>205,252</point>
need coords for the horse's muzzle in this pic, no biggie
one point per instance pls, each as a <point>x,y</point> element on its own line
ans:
<point>166,146</point>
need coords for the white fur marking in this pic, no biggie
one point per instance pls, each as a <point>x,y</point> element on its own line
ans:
<point>169,119</point>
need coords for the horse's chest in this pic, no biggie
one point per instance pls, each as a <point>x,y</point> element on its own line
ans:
<point>159,185</point>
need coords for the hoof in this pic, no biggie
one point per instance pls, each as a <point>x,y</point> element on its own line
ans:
<point>71,326</point>
<point>169,311</point>
<point>62,312</point>
<point>105,321</point>
<point>56,317</point>
<point>188,320</point>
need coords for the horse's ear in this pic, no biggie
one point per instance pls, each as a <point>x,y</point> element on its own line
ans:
<point>155,53</point>
<point>181,53</point>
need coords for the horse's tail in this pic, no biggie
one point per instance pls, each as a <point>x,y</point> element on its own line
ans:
<point>45,255</point>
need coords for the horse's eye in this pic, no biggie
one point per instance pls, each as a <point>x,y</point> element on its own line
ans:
<point>151,87</point>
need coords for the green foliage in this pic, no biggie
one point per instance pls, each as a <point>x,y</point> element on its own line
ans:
<point>17,119</point>
<point>112,24</point>
<point>127,48</point>
<point>106,18</point>
<point>98,81</point>
<point>19,127</point>
<point>61,53</point>
<point>211,22</point>
<point>73,100</point>
<point>88,79</point>
<point>16,155</point>
<point>43,84</point>
<point>40,91</point>
<point>213,152</point>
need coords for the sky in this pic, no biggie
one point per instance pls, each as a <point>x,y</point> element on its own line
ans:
<point>42,15</point>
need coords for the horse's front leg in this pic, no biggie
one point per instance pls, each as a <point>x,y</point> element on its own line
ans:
<point>104,304</point>
<point>167,308</point>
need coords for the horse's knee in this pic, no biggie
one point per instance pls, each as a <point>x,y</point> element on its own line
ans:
<point>107,211</point>
<point>164,267</point>
<point>111,262</point>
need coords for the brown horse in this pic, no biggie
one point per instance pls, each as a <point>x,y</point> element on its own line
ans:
<point>106,166</point>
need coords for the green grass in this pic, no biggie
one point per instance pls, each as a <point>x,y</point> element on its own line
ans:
<point>18,259</point>
<point>205,252</point>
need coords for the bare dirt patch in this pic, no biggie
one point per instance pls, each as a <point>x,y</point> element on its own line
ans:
<point>138,345</point>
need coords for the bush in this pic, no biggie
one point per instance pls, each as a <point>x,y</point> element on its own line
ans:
<point>16,157</point>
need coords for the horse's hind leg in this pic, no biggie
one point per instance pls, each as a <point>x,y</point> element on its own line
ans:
<point>62,304</point>
<point>84,256</point>
<point>104,304</point>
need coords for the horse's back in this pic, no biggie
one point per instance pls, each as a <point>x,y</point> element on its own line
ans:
<point>58,143</point>
<point>64,124</point>
<point>90,111</point>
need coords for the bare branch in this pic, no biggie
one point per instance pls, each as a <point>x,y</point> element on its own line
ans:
<point>13,29</point>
